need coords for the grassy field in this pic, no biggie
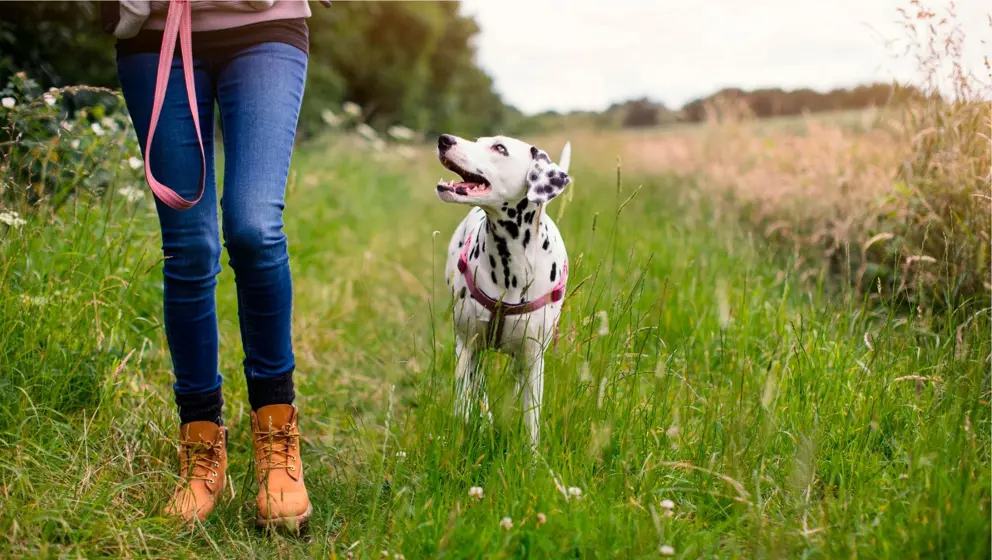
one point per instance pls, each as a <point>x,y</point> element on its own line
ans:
<point>781,417</point>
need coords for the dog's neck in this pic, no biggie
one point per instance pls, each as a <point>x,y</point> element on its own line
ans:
<point>509,237</point>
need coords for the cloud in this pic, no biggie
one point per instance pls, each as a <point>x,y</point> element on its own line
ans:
<point>587,54</point>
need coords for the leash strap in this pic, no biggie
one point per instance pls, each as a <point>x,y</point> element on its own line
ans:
<point>179,22</point>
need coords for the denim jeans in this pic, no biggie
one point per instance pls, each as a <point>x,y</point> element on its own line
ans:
<point>258,90</point>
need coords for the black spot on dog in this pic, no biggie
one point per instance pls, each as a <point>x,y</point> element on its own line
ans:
<point>533,176</point>
<point>493,275</point>
<point>526,236</point>
<point>558,181</point>
<point>538,154</point>
<point>547,243</point>
<point>511,213</point>
<point>492,261</point>
<point>506,261</point>
<point>550,173</point>
<point>529,216</point>
<point>501,248</point>
<point>514,281</point>
<point>522,205</point>
<point>511,228</point>
<point>462,295</point>
<point>460,244</point>
<point>554,271</point>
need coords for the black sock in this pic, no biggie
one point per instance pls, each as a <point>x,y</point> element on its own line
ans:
<point>200,407</point>
<point>267,391</point>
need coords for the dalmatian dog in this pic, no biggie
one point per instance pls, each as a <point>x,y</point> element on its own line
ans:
<point>507,266</point>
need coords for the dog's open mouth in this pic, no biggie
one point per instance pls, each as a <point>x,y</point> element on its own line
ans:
<point>472,184</point>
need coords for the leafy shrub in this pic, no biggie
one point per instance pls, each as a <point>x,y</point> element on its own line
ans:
<point>48,154</point>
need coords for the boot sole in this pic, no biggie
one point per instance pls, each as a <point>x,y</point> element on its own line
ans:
<point>294,523</point>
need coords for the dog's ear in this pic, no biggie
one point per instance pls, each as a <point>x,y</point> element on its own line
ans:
<point>545,180</point>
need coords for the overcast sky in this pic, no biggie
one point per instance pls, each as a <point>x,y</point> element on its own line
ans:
<point>587,54</point>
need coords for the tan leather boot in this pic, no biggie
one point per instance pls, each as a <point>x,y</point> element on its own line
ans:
<point>282,496</point>
<point>203,468</point>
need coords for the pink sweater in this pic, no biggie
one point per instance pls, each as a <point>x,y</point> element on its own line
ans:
<point>208,15</point>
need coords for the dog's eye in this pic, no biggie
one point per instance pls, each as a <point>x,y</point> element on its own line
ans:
<point>501,149</point>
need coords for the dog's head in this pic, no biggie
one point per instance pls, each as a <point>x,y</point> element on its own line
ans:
<point>497,170</point>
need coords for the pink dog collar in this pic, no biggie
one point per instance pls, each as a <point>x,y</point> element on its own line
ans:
<point>497,307</point>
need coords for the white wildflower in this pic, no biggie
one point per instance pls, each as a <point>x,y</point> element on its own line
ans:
<point>366,132</point>
<point>11,218</point>
<point>399,556</point>
<point>97,129</point>
<point>110,123</point>
<point>506,523</point>
<point>604,323</point>
<point>49,99</point>
<point>37,301</point>
<point>399,132</point>
<point>475,492</point>
<point>666,550</point>
<point>352,109</point>
<point>575,492</point>
<point>401,454</point>
<point>67,126</point>
<point>330,118</point>
<point>673,431</point>
<point>131,194</point>
<point>8,102</point>
<point>134,162</point>
<point>669,508</point>
<point>541,519</point>
<point>75,144</point>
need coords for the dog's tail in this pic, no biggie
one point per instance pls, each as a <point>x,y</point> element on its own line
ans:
<point>566,157</point>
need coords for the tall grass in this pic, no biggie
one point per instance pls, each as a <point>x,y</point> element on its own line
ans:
<point>702,397</point>
<point>709,396</point>
<point>899,195</point>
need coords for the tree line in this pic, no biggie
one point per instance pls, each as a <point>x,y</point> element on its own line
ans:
<point>725,103</point>
<point>404,63</point>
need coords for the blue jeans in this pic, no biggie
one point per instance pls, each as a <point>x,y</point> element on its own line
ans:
<point>258,90</point>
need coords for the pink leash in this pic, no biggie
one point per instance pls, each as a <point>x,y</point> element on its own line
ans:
<point>178,22</point>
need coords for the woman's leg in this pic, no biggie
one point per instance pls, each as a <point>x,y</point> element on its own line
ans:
<point>259,91</point>
<point>190,240</point>
<point>191,246</point>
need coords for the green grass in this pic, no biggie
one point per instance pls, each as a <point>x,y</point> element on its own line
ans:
<point>783,419</point>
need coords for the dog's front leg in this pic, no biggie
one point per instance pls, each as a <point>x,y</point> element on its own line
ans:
<point>470,386</point>
<point>532,371</point>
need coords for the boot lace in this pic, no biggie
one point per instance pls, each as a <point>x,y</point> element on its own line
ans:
<point>278,444</point>
<point>201,459</point>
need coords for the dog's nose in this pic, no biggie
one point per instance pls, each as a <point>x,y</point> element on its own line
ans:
<point>445,141</point>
